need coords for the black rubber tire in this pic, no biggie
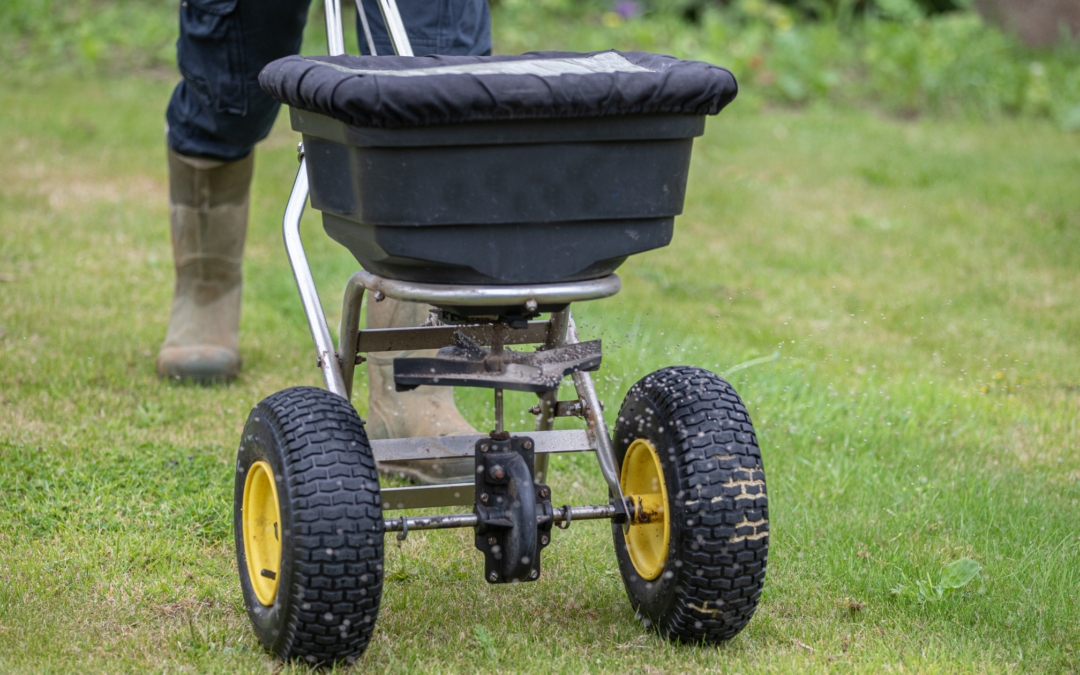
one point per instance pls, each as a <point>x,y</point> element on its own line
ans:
<point>719,516</point>
<point>331,526</point>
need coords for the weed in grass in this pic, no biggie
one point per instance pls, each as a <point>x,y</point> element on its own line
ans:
<point>952,577</point>
<point>484,641</point>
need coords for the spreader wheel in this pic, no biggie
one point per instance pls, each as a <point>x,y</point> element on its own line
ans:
<point>693,559</point>
<point>309,528</point>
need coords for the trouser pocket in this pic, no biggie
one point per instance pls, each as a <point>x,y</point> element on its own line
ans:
<point>210,54</point>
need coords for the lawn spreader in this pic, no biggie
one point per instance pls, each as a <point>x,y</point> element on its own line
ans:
<point>500,191</point>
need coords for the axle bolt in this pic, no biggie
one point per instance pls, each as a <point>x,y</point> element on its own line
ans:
<point>492,541</point>
<point>483,498</point>
<point>497,472</point>
<point>493,577</point>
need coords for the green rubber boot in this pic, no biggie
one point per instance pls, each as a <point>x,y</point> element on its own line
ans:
<point>424,411</point>
<point>208,209</point>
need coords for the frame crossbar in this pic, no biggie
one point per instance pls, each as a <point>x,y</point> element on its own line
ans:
<point>453,447</point>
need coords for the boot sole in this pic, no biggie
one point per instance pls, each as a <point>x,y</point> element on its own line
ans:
<point>200,364</point>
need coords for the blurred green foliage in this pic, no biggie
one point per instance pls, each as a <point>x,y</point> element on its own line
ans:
<point>906,56</point>
<point>893,55</point>
<point>88,34</point>
<point>823,10</point>
<point>836,9</point>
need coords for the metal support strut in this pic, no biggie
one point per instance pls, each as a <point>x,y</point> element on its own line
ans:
<point>596,428</point>
<point>325,356</point>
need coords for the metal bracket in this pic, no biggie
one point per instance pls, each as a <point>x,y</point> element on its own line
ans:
<point>565,409</point>
<point>467,364</point>
<point>514,515</point>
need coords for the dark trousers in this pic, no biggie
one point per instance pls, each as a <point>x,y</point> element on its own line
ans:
<point>219,111</point>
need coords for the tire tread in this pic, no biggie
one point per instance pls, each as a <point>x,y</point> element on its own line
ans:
<point>723,548</point>
<point>333,488</point>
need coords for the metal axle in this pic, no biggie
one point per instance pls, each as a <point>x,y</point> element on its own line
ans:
<point>470,519</point>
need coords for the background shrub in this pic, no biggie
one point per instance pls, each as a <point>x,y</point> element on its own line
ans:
<point>907,57</point>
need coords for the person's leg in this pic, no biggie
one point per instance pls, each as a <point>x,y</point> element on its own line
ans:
<point>451,27</point>
<point>216,115</point>
<point>218,110</point>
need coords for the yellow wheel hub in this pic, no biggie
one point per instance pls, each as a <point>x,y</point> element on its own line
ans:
<point>262,532</point>
<point>642,481</point>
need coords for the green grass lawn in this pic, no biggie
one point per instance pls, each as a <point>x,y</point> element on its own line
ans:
<point>918,282</point>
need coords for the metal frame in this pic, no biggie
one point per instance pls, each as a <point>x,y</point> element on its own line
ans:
<point>367,29</point>
<point>563,514</point>
<point>338,365</point>
<point>399,39</point>
<point>530,297</point>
